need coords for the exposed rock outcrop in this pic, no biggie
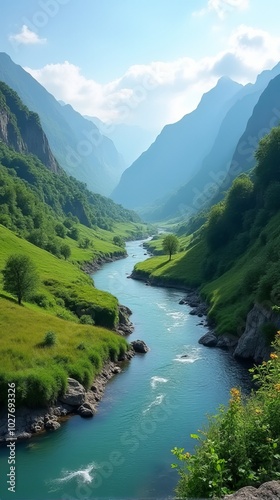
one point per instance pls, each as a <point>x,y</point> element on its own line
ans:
<point>227,341</point>
<point>253,344</point>
<point>75,394</point>
<point>125,326</point>
<point>209,340</point>
<point>139,346</point>
<point>22,129</point>
<point>267,491</point>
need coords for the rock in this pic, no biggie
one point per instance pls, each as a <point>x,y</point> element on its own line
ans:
<point>227,341</point>
<point>193,312</point>
<point>86,410</point>
<point>209,340</point>
<point>75,394</point>
<point>267,491</point>
<point>125,326</point>
<point>22,435</point>
<point>116,370</point>
<point>253,345</point>
<point>139,346</point>
<point>52,425</point>
<point>181,302</point>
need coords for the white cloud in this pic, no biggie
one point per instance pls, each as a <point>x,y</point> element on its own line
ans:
<point>27,37</point>
<point>158,93</point>
<point>222,7</point>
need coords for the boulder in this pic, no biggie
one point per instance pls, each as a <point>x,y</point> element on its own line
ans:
<point>116,370</point>
<point>139,346</point>
<point>52,425</point>
<point>209,340</point>
<point>75,394</point>
<point>267,491</point>
<point>86,410</point>
<point>227,341</point>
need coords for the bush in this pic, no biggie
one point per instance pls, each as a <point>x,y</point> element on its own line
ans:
<point>49,339</point>
<point>74,233</point>
<point>41,300</point>
<point>60,230</point>
<point>86,319</point>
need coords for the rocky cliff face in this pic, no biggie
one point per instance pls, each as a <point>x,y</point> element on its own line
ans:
<point>253,344</point>
<point>21,129</point>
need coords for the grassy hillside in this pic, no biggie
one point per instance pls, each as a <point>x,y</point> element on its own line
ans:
<point>40,372</point>
<point>65,294</point>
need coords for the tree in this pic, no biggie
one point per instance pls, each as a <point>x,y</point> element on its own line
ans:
<point>170,244</point>
<point>65,250</point>
<point>20,277</point>
<point>117,240</point>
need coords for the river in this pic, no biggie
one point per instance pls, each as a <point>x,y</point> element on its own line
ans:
<point>152,406</point>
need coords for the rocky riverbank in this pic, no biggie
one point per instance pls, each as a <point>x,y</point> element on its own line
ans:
<point>250,346</point>
<point>75,401</point>
<point>97,263</point>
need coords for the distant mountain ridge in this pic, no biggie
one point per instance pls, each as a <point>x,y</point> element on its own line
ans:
<point>265,116</point>
<point>130,140</point>
<point>76,142</point>
<point>233,149</point>
<point>177,152</point>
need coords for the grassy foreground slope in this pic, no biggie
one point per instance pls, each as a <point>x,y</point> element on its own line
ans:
<point>65,294</point>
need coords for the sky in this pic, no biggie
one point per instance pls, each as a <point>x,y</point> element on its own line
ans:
<point>139,62</point>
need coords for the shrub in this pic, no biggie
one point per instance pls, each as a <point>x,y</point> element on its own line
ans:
<point>60,230</point>
<point>86,319</point>
<point>49,339</point>
<point>41,300</point>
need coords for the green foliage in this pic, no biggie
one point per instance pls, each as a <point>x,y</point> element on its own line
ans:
<point>74,233</point>
<point>60,230</point>
<point>65,250</point>
<point>170,244</point>
<point>118,241</point>
<point>49,339</point>
<point>268,159</point>
<point>241,445</point>
<point>86,319</point>
<point>20,277</point>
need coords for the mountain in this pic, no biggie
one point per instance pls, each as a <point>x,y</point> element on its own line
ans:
<point>265,116</point>
<point>76,142</point>
<point>33,184</point>
<point>217,165</point>
<point>21,129</point>
<point>177,152</point>
<point>130,140</point>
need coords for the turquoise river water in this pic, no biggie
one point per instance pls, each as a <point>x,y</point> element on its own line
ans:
<point>152,406</point>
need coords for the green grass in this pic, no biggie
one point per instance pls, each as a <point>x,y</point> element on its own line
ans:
<point>183,269</point>
<point>40,372</point>
<point>79,351</point>
<point>61,279</point>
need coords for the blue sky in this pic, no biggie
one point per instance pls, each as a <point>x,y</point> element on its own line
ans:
<point>144,62</point>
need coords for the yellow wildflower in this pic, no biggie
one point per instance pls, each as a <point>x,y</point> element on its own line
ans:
<point>235,393</point>
<point>273,356</point>
<point>187,455</point>
<point>277,387</point>
<point>258,411</point>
